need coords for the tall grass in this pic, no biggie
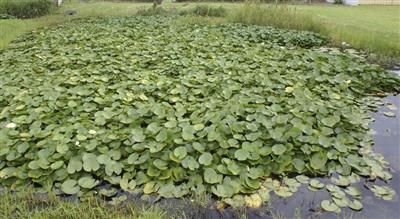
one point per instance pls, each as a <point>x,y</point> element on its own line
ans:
<point>277,15</point>
<point>27,204</point>
<point>382,48</point>
<point>205,11</point>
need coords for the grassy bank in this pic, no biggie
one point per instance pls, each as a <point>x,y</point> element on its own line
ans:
<point>371,28</point>
<point>26,204</point>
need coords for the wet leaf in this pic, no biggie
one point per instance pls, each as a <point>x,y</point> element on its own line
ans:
<point>87,182</point>
<point>253,201</point>
<point>316,184</point>
<point>329,206</point>
<point>355,205</point>
<point>389,114</point>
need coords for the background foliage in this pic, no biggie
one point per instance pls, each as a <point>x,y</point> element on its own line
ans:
<point>26,8</point>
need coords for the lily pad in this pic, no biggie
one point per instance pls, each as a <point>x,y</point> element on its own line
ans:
<point>70,187</point>
<point>389,114</point>
<point>329,206</point>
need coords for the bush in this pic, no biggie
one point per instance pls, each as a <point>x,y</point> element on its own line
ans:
<point>26,8</point>
<point>206,11</point>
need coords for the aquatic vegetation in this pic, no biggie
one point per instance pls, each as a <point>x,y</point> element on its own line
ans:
<point>176,110</point>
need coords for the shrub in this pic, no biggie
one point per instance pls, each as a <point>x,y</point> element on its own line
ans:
<point>206,11</point>
<point>26,8</point>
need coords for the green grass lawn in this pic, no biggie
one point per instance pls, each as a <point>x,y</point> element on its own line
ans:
<point>372,28</point>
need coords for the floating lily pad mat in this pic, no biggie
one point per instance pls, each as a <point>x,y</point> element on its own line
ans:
<point>147,105</point>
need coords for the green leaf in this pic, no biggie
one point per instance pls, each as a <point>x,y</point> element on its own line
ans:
<point>127,185</point>
<point>325,141</point>
<point>318,160</point>
<point>70,187</point>
<point>233,143</point>
<point>302,179</point>
<point>355,205</point>
<point>329,206</point>
<point>74,165</point>
<point>253,201</point>
<point>389,114</point>
<point>198,147</point>
<point>180,152</point>
<point>198,127</point>
<point>298,164</point>
<point>62,148</point>
<point>353,191</point>
<point>170,124</point>
<point>316,184</point>
<point>90,162</point>
<point>278,149</point>
<point>56,165</point>
<point>241,154</point>
<point>133,158</point>
<point>87,182</point>
<point>330,121</point>
<point>341,181</point>
<point>225,190</point>
<point>190,163</point>
<point>159,110</point>
<point>160,164</point>
<point>234,168</point>
<point>211,177</point>
<point>162,136</point>
<point>187,133</point>
<point>205,159</point>
<point>113,167</point>
<point>137,135</point>
<point>153,128</point>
